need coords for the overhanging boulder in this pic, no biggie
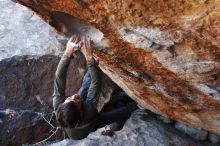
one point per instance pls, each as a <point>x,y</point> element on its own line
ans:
<point>164,54</point>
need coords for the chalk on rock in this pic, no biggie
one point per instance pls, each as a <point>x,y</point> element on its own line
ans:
<point>214,138</point>
<point>193,132</point>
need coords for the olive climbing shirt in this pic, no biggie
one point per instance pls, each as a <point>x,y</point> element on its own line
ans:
<point>87,123</point>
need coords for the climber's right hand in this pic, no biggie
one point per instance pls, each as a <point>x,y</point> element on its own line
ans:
<point>73,45</point>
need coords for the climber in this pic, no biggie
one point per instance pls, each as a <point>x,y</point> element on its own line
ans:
<point>78,114</point>
<point>115,112</point>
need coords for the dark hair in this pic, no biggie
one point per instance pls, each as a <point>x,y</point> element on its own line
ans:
<point>68,115</point>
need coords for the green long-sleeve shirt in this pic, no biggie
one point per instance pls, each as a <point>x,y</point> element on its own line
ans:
<point>86,125</point>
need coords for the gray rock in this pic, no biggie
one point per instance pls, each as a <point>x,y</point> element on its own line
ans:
<point>198,134</point>
<point>142,129</point>
<point>25,126</point>
<point>165,119</point>
<point>214,138</point>
<point>23,33</point>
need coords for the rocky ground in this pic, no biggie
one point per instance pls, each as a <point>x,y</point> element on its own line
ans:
<point>142,129</point>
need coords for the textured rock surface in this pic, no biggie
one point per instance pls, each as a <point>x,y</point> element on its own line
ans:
<point>27,126</point>
<point>28,82</point>
<point>27,79</point>
<point>23,33</point>
<point>198,134</point>
<point>27,85</point>
<point>27,66</point>
<point>214,138</point>
<point>142,129</point>
<point>30,51</point>
<point>164,54</point>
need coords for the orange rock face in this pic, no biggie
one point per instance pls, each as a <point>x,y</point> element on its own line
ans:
<point>165,54</point>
